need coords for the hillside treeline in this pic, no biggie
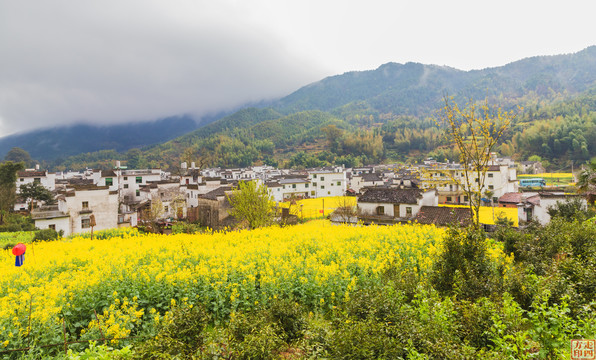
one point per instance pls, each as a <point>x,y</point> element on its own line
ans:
<point>560,131</point>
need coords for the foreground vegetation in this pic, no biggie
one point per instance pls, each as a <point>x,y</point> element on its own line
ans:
<point>307,291</point>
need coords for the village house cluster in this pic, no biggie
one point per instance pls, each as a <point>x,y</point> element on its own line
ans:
<point>387,194</point>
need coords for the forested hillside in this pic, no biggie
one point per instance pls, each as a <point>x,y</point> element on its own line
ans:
<point>386,115</point>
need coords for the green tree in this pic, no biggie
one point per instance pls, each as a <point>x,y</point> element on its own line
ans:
<point>8,179</point>
<point>36,192</point>
<point>474,130</point>
<point>135,159</point>
<point>17,154</point>
<point>586,182</point>
<point>252,203</point>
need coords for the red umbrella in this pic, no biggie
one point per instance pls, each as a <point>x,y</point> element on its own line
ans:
<point>19,249</point>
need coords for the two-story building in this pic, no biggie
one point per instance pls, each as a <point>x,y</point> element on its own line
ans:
<point>327,183</point>
<point>80,208</point>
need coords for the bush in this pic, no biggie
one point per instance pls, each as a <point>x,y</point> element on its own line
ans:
<point>186,228</point>
<point>254,336</point>
<point>182,334</point>
<point>46,235</point>
<point>464,267</point>
<point>288,315</point>
<point>572,209</point>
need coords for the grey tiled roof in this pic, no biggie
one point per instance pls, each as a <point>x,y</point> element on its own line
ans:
<point>442,216</point>
<point>391,195</point>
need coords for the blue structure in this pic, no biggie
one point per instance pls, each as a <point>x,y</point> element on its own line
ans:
<point>536,182</point>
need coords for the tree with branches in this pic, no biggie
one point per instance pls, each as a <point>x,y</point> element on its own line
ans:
<point>252,203</point>
<point>8,187</point>
<point>35,192</point>
<point>474,130</point>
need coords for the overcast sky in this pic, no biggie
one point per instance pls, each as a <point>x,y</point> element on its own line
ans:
<point>109,61</point>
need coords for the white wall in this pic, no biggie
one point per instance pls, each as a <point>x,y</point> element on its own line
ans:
<point>62,223</point>
<point>371,208</point>
<point>102,204</point>
<point>328,183</point>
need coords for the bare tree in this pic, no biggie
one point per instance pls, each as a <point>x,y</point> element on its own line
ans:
<point>475,130</point>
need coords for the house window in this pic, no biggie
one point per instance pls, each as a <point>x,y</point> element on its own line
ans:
<point>490,187</point>
<point>449,198</point>
<point>36,180</point>
<point>126,186</point>
<point>465,198</point>
<point>306,185</point>
<point>293,186</point>
<point>314,184</point>
<point>52,226</point>
<point>22,179</point>
<point>380,210</point>
<point>339,183</point>
<point>328,192</point>
<point>314,176</point>
<point>139,180</point>
<point>85,223</point>
<point>138,193</point>
<point>322,186</point>
<point>408,211</point>
<point>322,178</point>
<point>165,208</point>
<point>85,205</point>
<point>109,181</point>
<point>284,186</point>
<point>495,199</point>
<point>312,193</point>
<point>490,175</point>
<point>126,178</point>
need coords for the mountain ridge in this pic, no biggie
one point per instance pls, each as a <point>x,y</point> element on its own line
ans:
<point>392,89</point>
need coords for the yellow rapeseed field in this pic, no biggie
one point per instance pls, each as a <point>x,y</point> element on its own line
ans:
<point>489,215</point>
<point>131,281</point>
<point>319,207</point>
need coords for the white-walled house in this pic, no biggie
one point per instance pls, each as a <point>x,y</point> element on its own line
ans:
<point>29,176</point>
<point>170,196</point>
<point>299,188</point>
<point>133,180</point>
<point>391,205</point>
<point>450,182</point>
<point>327,183</point>
<point>364,180</point>
<point>110,179</point>
<point>534,206</point>
<point>77,208</point>
<point>42,177</point>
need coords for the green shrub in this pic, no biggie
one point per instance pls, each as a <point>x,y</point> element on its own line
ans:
<point>254,336</point>
<point>182,334</point>
<point>186,228</point>
<point>289,317</point>
<point>464,267</point>
<point>46,235</point>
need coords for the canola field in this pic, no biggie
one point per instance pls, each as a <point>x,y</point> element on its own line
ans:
<point>489,215</point>
<point>319,207</point>
<point>130,280</point>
